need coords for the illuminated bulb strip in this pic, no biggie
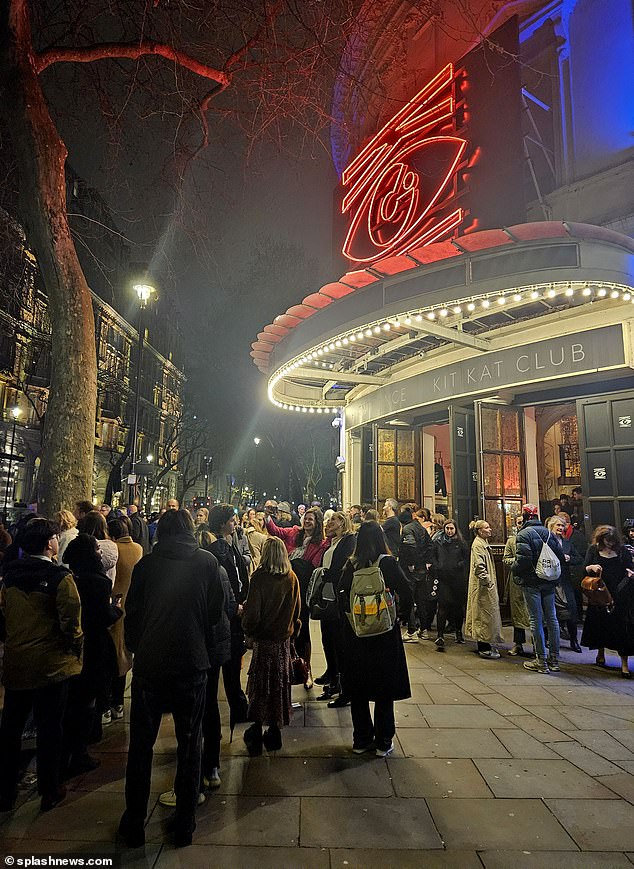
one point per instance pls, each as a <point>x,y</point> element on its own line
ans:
<point>598,290</point>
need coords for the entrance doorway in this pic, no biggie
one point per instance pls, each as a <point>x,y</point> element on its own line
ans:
<point>437,468</point>
<point>558,453</point>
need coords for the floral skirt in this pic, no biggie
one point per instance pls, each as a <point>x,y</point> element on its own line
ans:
<point>269,683</point>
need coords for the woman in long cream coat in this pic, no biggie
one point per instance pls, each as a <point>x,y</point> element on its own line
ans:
<point>483,621</point>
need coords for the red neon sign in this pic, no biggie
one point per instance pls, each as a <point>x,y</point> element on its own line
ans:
<point>401,180</point>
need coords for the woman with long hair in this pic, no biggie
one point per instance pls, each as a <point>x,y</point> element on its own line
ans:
<point>565,602</point>
<point>256,534</point>
<point>611,627</point>
<point>341,536</point>
<point>450,559</point>
<point>374,668</point>
<point>306,545</point>
<point>271,617</point>
<point>68,531</point>
<point>94,523</point>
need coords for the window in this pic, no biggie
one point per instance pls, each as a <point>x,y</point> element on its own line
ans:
<point>396,464</point>
<point>502,468</point>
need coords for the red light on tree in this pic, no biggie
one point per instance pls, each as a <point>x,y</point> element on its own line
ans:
<point>398,187</point>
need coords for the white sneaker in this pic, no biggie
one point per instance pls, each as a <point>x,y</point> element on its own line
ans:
<point>410,638</point>
<point>384,752</point>
<point>213,780</point>
<point>106,718</point>
<point>116,713</point>
<point>424,635</point>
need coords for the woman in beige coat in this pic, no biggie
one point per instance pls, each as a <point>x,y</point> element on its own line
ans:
<point>515,596</point>
<point>257,535</point>
<point>483,621</point>
<point>129,553</point>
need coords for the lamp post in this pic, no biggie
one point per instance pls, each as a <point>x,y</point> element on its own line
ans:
<point>256,441</point>
<point>144,294</point>
<point>209,463</point>
<point>15,413</point>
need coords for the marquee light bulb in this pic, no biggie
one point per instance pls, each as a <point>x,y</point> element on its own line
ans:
<point>570,292</point>
<point>368,333</point>
<point>517,297</point>
<point>627,297</point>
<point>443,312</point>
<point>419,318</point>
<point>377,330</point>
<point>331,346</point>
<point>587,291</point>
<point>337,343</point>
<point>359,336</point>
<point>345,341</point>
<point>535,294</point>
<point>614,294</point>
<point>386,327</point>
<point>501,300</point>
<point>551,293</point>
<point>457,309</point>
<point>470,307</point>
<point>408,321</point>
<point>431,316</point>
<point>602,292</point>
<point>485,303</point>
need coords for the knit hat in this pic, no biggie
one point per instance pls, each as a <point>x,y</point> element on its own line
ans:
<point>530,509</point>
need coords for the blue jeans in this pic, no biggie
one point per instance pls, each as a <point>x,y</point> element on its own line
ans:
<point>540,601</point>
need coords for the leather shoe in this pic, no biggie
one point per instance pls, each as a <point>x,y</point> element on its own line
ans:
<point>272,739</point>
<point>324,679</point>
<point>339,702</point>
<point>49,801</point>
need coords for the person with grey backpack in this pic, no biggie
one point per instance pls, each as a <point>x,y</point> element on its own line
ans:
<point>537,568</point>
<point>373,594</point>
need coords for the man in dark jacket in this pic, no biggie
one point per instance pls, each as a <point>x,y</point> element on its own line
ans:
<point>415,555</point>
<point>140,532</point>
<point>175,599</point>
<point>391,526</point>
<point>43,646</point>
<point>539,594</point>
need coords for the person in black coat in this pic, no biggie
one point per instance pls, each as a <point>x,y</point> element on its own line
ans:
<point>374,668</point>
<point>450,560</point>
<point>175,599</point>
<point>414,557</point>
<point>220,540</point>
<point>342,541</point>
<point>98,613</point>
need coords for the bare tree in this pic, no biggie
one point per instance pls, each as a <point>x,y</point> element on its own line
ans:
<point>205,47</point>
<point>180,451</point>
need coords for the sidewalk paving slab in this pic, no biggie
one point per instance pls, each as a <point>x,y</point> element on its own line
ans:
<point>540,778</point>
<point>596,825</point>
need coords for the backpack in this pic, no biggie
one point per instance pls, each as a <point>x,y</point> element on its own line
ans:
<point>372,606</point>
<point>321,597</point>
<point>548,566</point>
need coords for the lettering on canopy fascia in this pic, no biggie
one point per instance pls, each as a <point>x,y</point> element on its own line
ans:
<point>400,187</point>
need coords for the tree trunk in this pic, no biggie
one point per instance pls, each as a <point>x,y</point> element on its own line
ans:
<point>65,474</point>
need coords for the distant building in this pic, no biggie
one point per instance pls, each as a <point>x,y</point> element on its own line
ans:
<point>25,370</point>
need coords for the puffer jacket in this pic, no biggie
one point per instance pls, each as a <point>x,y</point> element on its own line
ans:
<point>42,611</point>
<point>415,548</point>
<point>529,541</point>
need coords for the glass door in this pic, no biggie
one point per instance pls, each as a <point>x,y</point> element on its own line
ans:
<point>501,473</point>
<point>464,467</point>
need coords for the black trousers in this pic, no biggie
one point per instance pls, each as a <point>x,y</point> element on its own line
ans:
<point>238,703</point>
<point>117,689</point>
<point>185,699</point>
<point>382,730</point>
<point>212,731</point>
<point>329,630</point>
<point>452,612</point>
<point>424,609</point>
<point>78,720</point>
<point>48,704</point>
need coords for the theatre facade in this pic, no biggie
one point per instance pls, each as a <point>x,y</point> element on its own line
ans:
<point>477,349</point>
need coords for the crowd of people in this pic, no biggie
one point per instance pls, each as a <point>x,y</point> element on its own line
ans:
<point>95,593</point>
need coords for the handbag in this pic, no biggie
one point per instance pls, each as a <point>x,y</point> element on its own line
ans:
<point>299,668</point>
<point>596,591</point>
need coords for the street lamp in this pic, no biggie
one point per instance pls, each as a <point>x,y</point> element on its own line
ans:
<point>144,294</point>
<point>15,413</point>
<point>256,441</point>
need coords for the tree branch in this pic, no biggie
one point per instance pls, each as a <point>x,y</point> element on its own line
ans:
<point>129,51</point>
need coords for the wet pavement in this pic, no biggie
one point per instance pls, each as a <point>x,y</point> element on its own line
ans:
<point>493,767</point>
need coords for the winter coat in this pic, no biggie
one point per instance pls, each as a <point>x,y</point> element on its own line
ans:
<point>375,668</point>
<point>220,646</point>
<point>340,555</point>
<point>42,612</point>
<point>64,539</point>
<point>175,599</point>
<point>140,532</point>
<point>237,573</point>
<point>565,602</point>
<point>97,615</point>
<point>529,541</point>
<point>242,545</point>
<point>129,554</point>
<point>314,551</point>
<point>513,591</point>
<point>109,557</point>
<point>272,609</point>
<point>256,540</point>
<point>392,530</point>
<point>483,621</point>
<point>450,563</point>
<point>415,547</point>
